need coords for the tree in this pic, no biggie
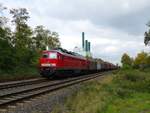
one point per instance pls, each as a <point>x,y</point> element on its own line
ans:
<point>53,40</point>
<point>40,38</point>
<point>44,37</point>
<point>22,37</point>
<point>23,33</point>
<point>126,60</point>
<point>6,49</point>
<point>3,19</point>
<point>7,60</point>
<point>147,35</point>
<point>5,32</point>
<point>147,38</point>
<point>19,49</point>
<point>148,61</point>
<point>141,60</point>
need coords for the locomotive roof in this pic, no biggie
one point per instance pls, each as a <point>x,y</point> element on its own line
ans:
<point>66,52</point>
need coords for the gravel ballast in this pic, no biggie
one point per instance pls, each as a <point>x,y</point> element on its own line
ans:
<point>45,103</point>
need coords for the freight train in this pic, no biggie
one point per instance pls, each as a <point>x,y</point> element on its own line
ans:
<point>56,61</point>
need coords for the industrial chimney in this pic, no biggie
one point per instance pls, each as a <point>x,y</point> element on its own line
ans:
<point>89,46</point>
<point>83,45</point>
<point>86,46</point>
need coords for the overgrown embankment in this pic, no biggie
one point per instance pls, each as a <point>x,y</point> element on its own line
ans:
<point>125,91</point>
<point>19,74</point>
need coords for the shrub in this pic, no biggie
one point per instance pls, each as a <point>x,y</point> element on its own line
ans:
<point>133,80</point>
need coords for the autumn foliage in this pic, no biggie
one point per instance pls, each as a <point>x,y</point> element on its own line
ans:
<point>142,60</point>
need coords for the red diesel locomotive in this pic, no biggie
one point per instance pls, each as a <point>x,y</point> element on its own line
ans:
<point>60,60</point>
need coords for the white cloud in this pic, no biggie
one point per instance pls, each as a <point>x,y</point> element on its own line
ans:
<point>96,18</point>
<point>110,49</point>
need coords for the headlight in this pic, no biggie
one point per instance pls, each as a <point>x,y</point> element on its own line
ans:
<point>45,65</point>
<point>48,65</point>
<point>53,64</point>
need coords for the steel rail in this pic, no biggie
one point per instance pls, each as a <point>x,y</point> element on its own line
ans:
<point>7,99</point>
<point>12,84</point>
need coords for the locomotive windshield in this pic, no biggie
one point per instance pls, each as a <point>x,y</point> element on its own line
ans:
<point>53,55</point>
<point>45,55</point>
<point>50,55</point>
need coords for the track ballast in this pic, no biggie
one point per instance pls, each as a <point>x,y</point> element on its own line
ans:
<point>17,93</point>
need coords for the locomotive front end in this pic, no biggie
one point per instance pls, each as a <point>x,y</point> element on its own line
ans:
<point>48,63</point>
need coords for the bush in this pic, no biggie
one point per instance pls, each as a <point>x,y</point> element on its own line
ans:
<point>7,61</point>
<point>132,80</point>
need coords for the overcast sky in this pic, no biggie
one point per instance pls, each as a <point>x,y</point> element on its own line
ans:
<point>112,26</point>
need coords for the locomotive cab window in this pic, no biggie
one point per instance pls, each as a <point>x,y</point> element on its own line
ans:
<point>53,55</point>
<point>45,55</point>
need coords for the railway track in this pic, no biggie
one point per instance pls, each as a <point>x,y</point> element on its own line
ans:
<point>22,91</point>
<point>6,85</point>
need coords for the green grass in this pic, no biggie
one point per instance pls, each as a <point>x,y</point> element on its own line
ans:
<point>125,91</point>
<point>19,74</point>
<point>139,103</point>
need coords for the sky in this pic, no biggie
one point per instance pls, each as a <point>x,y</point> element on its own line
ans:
<point>112,26</point>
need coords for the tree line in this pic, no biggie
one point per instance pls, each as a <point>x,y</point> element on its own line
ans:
<point>142,60</point>
<point>20,45</point>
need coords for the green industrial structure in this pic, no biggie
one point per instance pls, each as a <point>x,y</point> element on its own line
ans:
<point>86,47</point>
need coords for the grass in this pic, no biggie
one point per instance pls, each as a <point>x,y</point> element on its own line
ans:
<point>126,91</point>
<point>19,74</point>
<point>139,103</point>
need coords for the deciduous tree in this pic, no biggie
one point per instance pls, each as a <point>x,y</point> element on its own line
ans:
<point>44,37</point>
<point>126,60</point>
<point>147,36</point>
<point>141,60</point>
<point>18,47</point>
<point>23,33</point>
